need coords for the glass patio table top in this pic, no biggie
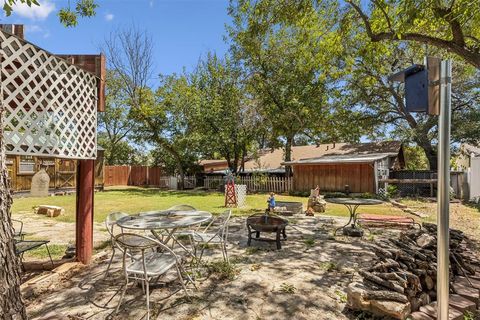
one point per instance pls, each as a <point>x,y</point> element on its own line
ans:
<point>165,219</point>
<point>354,201</point>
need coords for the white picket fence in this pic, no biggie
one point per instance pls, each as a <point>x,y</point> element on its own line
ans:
<point>254,184</point>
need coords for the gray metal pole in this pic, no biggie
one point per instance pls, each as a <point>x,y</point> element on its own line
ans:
<point>443,197</point>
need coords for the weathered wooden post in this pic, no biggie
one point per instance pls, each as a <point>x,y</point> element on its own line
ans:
<point>84,210</point>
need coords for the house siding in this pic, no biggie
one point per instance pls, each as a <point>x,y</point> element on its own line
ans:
<point>360,177</point>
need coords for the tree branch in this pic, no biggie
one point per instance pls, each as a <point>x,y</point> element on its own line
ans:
<point>457,45</point>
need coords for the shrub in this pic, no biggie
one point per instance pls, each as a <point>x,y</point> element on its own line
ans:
<point>335,195</point>
<point>224,270</point>
<point>295,193</point>
<point>392,191</point>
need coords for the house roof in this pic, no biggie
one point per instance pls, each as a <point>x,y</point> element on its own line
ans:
<point>354,158</point>
<point>212,161</point>
<point>273,159</point>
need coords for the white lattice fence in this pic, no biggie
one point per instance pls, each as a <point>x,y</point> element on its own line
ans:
<point>50,105</point>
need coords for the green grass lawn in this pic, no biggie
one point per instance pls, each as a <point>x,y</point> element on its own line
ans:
<point>133,200</point>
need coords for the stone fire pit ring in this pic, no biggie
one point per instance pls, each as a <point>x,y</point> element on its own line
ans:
<point>258,223</point>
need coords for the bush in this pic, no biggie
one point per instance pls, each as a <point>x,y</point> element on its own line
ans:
<point>295,193</point>
<point>392,191</point>
<point>367,195</point>
<point>336,195</point>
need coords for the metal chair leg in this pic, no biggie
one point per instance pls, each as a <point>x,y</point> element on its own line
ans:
<point>109,263</point>
<point>122,296</point>
<point>126,283</point>
<point>181,281</point>
<point>147,288</point>
<point>49,255</point>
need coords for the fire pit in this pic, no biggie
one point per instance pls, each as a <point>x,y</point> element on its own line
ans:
<point>266,223</point>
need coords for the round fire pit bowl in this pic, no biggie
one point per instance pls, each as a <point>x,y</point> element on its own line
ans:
<point>269,223</point>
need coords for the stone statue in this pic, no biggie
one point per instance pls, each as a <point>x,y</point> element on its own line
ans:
<point>315,202</point>
<point>40,183</point>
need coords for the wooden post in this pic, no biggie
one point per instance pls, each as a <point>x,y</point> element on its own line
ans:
<point>84,209</point>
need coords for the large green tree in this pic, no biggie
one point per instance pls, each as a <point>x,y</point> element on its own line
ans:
<point>292,62</point>
<point>164,115</point>
<point>453,25</point>
<point>225,118</point>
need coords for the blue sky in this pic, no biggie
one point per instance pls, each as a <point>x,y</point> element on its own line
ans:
<point>182,30</point>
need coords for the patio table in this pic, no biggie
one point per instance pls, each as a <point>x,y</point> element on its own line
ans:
<point>352,205</point>
<point>170,221</point>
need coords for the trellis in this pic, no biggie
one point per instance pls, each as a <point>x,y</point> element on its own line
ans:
<point>50,105</point>
<point>50,108</point>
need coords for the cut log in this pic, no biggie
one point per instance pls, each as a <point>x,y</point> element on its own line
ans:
<point>385,283</point>
<point>49,211</point>
<point>386,295</point>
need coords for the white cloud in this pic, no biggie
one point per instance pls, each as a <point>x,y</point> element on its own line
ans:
<point>34,12</point>
<point>109,17</point>
<point>151,3</point>
<point>33,28</point>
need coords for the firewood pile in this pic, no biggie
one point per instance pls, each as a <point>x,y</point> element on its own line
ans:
<point>403,275</point>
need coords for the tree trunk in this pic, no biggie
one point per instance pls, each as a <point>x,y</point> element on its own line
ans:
<point>430,153</point>
<point>181,173</point>
<point>288,155</point>
<point>11,304</point>
<point>244,157</point>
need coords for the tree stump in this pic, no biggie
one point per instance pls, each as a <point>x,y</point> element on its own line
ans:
<point>50,211</point>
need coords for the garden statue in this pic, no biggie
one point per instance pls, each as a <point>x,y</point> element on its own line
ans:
<point>40,183</point>
<point>271,202</point>
<point>315,202</point>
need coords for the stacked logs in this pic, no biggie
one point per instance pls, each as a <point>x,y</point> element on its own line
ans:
<point>405,268</point>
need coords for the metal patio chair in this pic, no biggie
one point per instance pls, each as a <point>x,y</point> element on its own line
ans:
<point>22,246</point>
<point>18,233</point>
<point>110,225</point>
<point>215,233</point>
<point>150,265</point>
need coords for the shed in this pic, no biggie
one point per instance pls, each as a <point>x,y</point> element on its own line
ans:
<point>360,166</point>
<point>62,172</point>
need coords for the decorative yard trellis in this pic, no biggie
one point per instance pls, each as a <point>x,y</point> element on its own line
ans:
<point>50,105</point>
<point>50,108</point>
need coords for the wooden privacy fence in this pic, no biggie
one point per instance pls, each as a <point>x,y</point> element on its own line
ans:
<point>254,184</point>
<point>133,176</point>
<point>144,176</point>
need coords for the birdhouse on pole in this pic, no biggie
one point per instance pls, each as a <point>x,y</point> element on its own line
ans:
<point>422,86</point>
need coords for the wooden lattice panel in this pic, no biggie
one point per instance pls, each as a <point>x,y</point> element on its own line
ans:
<point>50,105</point>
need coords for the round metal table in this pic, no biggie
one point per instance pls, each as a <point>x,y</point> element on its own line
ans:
<point>170,221</point>
<point>352,205</point>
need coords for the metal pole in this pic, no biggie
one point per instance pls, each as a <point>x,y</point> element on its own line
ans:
<point>443,197</point>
